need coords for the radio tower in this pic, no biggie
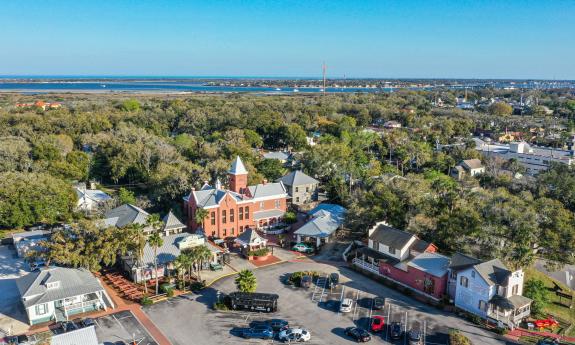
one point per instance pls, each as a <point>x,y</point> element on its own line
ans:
<point>323,69</point>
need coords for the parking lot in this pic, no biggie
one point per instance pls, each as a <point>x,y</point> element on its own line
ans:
<point>121,326</point>
<point>317,309</point>
<point>12,314</point>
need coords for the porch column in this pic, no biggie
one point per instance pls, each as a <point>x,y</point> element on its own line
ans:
<point>298,238</point>
<point>317,242</point>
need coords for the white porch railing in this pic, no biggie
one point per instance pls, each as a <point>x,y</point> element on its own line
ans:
<point>366,265</point>
<point>375,269</point>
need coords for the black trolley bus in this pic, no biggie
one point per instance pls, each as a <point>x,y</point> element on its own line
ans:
<point>253,301</point>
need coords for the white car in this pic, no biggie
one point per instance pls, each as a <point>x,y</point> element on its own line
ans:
<point>294,334</point>
<point>345,306</point>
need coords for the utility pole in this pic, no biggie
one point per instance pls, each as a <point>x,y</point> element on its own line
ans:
<point>323,70</point>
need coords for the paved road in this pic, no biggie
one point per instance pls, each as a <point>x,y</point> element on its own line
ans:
<point>188,319</point>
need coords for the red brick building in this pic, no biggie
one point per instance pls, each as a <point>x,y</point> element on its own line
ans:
<point>231,211</point>
<point>402,257</point>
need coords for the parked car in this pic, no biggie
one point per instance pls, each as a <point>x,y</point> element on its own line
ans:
<point>396,331</point>
<point>87,322</point>
<point>305,282</point>
<point>303,248</point>
<point>294,334</point>
<point>377,323</point>
<point>414,337</point>
<point>260,332</point>
<point>333,280</point>
<point>345,306</point>
<point>358,334</point>
<point>378,303</point>
<point>67,326</point>
<point>277,324</point>
<point>16,339</point>
<point>214,266</point>
<point>254,301</point>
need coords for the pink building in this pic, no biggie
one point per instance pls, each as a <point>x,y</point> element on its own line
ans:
<point>405,259</point>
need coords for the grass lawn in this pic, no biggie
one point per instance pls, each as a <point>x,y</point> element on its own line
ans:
<point>554,308</point>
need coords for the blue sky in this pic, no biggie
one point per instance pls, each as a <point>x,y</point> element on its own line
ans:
<point>401,38</point>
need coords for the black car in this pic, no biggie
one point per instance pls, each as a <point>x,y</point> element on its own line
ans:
<point>333,280</point>
<point>358,334</point>
<point>378,303</point>
<point>87,322</point>
<point>261,332</point>
<point>67,326</point>
<point>396,330</point>
<point>277,324</point>
<point>414,337</point>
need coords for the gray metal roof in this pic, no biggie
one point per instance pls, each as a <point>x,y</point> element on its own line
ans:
<point>472,163</point>
<point>249,236</point>
<point>212,197</point>
<point>323,222</point>
<point>493,271</point>
<point>238,167</point>
<point>279,155</point>
<point>297,178</point>
<point>460,261</point>
<point>268,214</point>
<point>170,250</point>
<point>94,194</point>
<point>391,237</point>
<point>172,222</point>
<point>125,215</point>
<point>267,190</point>
<point>73,282</point>
<point>431,263</point>
<point>81,336</point>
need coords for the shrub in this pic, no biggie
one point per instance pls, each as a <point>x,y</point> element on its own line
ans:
<point>537,291</point>
<point>456,338</point>
<point>170,292</point>
<point>295,278</point>
<point>259,252</point>
<point>290,217</point>
<point>196,286</point>
<point>220,306</point>
<point>145,301</point>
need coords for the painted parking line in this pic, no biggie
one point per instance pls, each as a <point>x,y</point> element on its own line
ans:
<point>340,300</point>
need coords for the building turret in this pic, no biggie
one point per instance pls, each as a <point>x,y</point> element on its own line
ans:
<point>238,176</point>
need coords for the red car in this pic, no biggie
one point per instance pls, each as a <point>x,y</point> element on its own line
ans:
<point>377,323</point>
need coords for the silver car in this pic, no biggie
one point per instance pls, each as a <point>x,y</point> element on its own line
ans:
<point>345,306</point>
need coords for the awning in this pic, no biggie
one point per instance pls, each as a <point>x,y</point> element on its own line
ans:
<point>268,214</point>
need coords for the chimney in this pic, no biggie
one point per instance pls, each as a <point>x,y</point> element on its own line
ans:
<point>218,184</point>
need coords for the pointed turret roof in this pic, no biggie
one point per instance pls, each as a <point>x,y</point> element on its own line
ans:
<point>238,167</point>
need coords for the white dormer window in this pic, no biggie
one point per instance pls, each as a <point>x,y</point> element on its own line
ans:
<point>52,285</point>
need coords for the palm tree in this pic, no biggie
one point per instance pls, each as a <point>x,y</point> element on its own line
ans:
<point>180,265</point>
<point>138,240</point>
<point>155,241</point>
<point>246,281</point>
<point>200,216</point>
<point>201,254</point>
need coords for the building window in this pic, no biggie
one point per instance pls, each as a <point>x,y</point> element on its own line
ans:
<point>223,216</point>
<point>41,309</point>
<point>482,306</point>
<point>241,229</point>
<point>261,205</point>
<point>464,282</point>
<point>213,234</point>
<point>515,290</point>
<point>307,189</point>
<point>241,213</point>
<point>472,274</point>
<point>296,189</point>
<point>225,233</point>
<point>277,204</point>
<point>231,215</point>
<point>391,250</point>
<point>247,212</point>
<point>297,199</point>
<point>232,231</point>
<point>213,220</point>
